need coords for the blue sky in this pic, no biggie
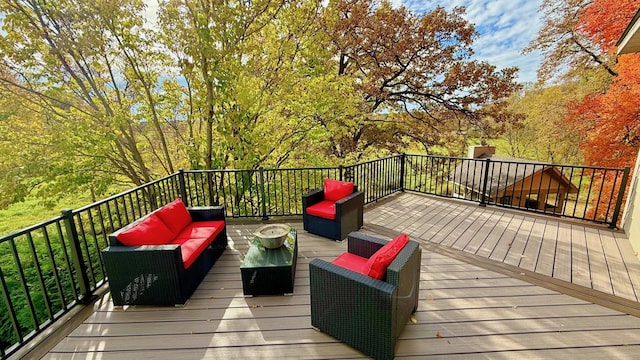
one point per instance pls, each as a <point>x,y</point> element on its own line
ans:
<point>505,26</point>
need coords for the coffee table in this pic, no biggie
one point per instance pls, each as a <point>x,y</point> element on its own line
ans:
<point>270,271</point>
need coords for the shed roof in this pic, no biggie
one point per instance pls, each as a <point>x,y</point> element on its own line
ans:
<point>503,172</point>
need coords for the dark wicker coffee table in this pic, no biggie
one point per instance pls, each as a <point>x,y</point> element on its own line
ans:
<point>270,271</point>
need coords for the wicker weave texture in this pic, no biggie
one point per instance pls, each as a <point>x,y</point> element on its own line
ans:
<point>155,274</point>
<point>349,215</point>
<point>366,313</point>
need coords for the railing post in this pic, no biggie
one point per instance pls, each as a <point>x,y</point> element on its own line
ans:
<point>341,170</point>
<point>403,159</point>
<point>485,180</point>
<point>86,296</point>
<point>183,187</point>
<point>263,195</point>
<point>623,186</point>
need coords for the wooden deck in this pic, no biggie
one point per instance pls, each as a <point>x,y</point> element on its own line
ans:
<point>582,254</point>
<point>493,285</point>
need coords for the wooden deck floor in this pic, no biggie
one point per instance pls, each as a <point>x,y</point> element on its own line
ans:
<point>588,255</point>
<point>474,303</point>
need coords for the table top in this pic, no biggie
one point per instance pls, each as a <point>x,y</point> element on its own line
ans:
<point>259,256</point>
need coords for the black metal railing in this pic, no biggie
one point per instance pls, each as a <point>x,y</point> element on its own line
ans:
<point>48,268</point>
<point>579,192</point>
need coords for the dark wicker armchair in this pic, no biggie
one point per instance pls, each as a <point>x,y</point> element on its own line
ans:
<point>348,215</point>
<point>366,313</point>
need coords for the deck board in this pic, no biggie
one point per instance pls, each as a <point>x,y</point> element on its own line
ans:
<point>534,242</point>
<point>465,310</point>
<point>580,271</point>
<point>547,255</point>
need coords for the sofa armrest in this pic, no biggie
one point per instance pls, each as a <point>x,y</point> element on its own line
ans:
<point>363,245</point>
<point>311,198</point>
<point>144,274</point>
<point>207,213</point>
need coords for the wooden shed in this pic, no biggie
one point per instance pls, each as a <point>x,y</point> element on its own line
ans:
<point>511,181</point>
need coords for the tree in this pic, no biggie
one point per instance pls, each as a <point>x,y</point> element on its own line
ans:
<point>566,48</point>
<point>416,67</point>
<point>252,70</point>
<point>608,120</point>
<point>92,74</point>
<point>544,134</point>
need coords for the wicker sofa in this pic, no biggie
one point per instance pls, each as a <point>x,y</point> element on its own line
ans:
<point>161,258</point>
<point>365,312</point>
<point>333,211</point>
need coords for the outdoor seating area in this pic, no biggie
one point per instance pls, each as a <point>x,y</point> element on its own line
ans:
<point>468,305</point>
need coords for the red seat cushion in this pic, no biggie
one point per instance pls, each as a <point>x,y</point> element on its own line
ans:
<point>195,237</point>
<point>325,209</point>
<point>335,190</point>
<point>191,249</point>
<point>201,229</point>
<point>150,231</point>
<point>381,259</point>
<point>175,215</point>
<point>352,262</point>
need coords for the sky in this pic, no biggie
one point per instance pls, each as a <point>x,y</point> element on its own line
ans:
<point>506,27</point>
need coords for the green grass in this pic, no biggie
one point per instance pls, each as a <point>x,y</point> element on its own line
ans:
<point>30,212</point>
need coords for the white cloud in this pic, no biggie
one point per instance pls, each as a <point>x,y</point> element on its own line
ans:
<point>506,27</point>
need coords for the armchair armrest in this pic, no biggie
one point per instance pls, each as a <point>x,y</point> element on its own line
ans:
<point>350,210</point>
<point>312,197</point>
<point>363,245</point>
<point>349,199</point>
<point>207,213</point>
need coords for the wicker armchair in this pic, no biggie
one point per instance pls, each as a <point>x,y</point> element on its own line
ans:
<point>348,215</point>
<point>366,313</point>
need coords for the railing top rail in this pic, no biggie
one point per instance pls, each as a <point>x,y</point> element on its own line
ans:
<point>126,192</point>
<point>30,229</point>
<point>292,168</point>
<point>521,161</point>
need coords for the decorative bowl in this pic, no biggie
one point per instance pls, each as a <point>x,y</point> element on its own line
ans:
<point>272,236</point>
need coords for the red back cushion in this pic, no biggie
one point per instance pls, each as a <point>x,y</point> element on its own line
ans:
<point>175,215</point>
<point>381,259</point>
<point>150,231</point>
<point>335,190</point>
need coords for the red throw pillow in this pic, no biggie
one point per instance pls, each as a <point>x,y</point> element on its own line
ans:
<point>149,231</point>
<point>175,215</point>
<point>382,258</point>
<point>335,190</point>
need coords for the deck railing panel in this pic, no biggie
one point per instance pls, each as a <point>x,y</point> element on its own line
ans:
<point>48,268</point>
<point>580,192</point>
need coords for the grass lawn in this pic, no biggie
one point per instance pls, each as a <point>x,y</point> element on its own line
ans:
<point>30,212</point>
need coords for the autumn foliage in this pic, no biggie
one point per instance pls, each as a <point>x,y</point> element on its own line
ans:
<point>610,121</point>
